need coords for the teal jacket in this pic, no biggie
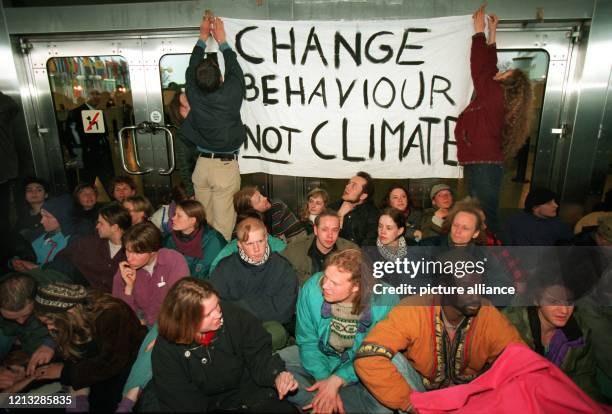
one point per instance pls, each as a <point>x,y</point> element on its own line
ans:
<point>212,243</point>
<point>276,245</point>
<point>313,328</point>
<point>47,248</point>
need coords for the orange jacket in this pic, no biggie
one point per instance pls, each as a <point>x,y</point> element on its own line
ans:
<point>415,328</point>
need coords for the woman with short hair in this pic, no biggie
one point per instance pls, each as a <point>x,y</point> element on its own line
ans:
<point>211,355</point>
<point>194,238</point>
<point>397,197</point>
<point>149,271</point>
<point>316,201</point>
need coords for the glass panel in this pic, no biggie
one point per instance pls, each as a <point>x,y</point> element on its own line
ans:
<point>89,139</point>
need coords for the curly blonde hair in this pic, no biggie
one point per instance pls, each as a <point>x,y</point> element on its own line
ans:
<point>517,97</point>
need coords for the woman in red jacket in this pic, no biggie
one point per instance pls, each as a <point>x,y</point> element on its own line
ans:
<point>494,125</point>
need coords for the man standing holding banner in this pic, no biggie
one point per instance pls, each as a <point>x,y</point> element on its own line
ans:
<point>214,126</point>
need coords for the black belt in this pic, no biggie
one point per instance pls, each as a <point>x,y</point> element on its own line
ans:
<point>219,156</point>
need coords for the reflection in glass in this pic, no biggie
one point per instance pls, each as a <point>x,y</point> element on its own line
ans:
<point>89,142</point>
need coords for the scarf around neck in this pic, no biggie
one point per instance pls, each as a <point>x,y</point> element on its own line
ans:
<point>250,261</point>
<point>391,255</point>
<point>189,244</point>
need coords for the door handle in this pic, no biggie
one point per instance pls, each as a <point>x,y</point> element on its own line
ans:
<point>134,129</point>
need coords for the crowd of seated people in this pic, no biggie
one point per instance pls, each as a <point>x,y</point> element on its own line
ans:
<point>110,314</point>
<point>201,307</point>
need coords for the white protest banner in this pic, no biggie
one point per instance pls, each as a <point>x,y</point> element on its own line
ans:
<point>328,98</point>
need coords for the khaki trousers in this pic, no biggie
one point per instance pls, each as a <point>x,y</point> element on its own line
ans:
<point>215,182</point>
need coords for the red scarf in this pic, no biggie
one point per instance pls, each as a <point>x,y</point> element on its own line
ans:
<point>207,337</point>
<point>190,245</point>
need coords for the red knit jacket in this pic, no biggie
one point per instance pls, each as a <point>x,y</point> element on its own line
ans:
<point>479,128</point>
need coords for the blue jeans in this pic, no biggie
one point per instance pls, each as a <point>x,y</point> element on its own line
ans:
<point>484,182</point>
<point>355,397</point>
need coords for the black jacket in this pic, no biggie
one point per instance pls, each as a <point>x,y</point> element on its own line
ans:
<point>268,291</point>
<point>235,371</point>
<point>214,122</point>
<point>360,225</point>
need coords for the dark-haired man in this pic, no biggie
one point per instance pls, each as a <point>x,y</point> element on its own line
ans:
<point>95,259</point>
<point>358,215</point>
<point>308,255</point>
<point>213,128</point>
<point>538,224</point>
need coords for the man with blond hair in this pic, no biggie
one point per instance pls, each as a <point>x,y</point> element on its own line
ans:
<point>259,280</point>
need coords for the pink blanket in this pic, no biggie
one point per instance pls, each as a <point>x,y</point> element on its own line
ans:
<point>520,381</point>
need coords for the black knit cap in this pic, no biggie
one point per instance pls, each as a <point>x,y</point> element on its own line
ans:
<point>538,196</point>
<point>59,297</point>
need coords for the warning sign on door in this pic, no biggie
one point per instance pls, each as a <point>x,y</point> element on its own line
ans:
<point>93,121</point>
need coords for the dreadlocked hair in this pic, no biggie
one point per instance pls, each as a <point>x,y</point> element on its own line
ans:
<point>517,97</point>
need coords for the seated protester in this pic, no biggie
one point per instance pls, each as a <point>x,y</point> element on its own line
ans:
<point>97,340</point>
<point>162,218</point>
<point>212,355</point>
<point>415,347</point>
<point>551,329</point>
<point>141,371</point>
<point>397,197</point>
<point>122,187</point>
<point>60,225</point>
<point>335,311</point>
<point>307,256</point>
<point>194,238</point>
<point>461,228</point>
<point>433,218</point>
<point>279,219</point>
<point>149,272</point>
<point>276,245</point>
<point>28,224</point>
<point>86,197</point>
<point>140,208</point>
<point>317,199</point>
<point>391,245</point>
<point>258,280</point>
<point>538,225</point>
<point>17,321</point>
<point>94,260</point>
<point>358,215</point>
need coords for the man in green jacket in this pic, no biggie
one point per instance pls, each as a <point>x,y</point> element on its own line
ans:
<point>308,255</point>
<point>213,127</point>
<point>336,310</point>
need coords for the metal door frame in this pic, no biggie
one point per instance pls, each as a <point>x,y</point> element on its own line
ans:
<point>146,98</point>
<point>143,52</point>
